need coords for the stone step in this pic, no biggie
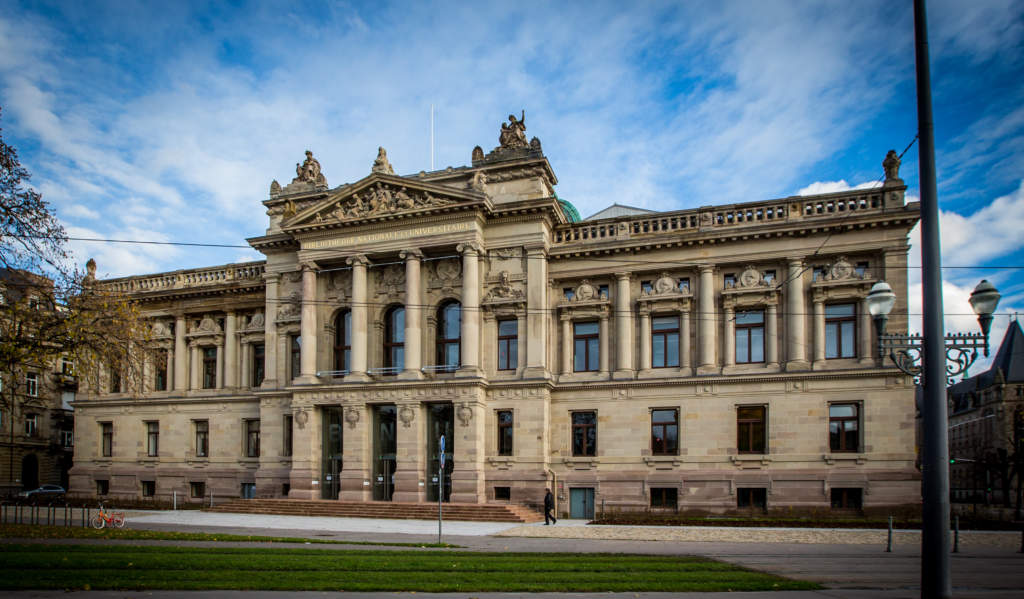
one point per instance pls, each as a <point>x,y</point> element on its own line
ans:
<point>349,509</point>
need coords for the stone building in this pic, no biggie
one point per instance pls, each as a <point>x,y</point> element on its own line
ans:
<point>986,426</point>
<point>711,358</point>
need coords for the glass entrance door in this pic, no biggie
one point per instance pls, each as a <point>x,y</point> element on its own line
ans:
<point>330,478</point>
<point>383,452</point>
<point>439,422</point>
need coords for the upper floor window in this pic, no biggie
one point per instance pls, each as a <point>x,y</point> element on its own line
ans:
<point>665,432</point>
<point>505,432</point>
<point>153,438</point>
<point>508,344</point>
<point>258,367</point>
<point>160,371</point>
<point>749,337</point>
<point>394,339</point>
<point>209,367</point>
<point>343,341</point>
<point>106,439</point>
<point>664,341</point>
<point>32,384</point>
<point>67,366</point>
<point>115,380</point>
<point>584,433</point>
<point>295,355</point>
<point>844,427</point>
<point>586,343</point>
<point>252,438</point>
<point>449,335</point>
<point>750,429</point>
<point>840,331</point>
<point>31,425</point>
<point>67,439</point>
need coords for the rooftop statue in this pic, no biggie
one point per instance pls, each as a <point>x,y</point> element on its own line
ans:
<point>381,164</point>
<point>891,164</point>
<point>309,171</point>
<point>513,133</point>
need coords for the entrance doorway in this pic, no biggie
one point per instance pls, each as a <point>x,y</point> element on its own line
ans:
<point>439,422</point>
<point>330,478</point>
<point>383,452</point>
<point>581,503</point>
<point>30,472</point>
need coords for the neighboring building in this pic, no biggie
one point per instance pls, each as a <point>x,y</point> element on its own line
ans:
<point>36,419</point>
<point>986,424</point>
<point>710,358</point>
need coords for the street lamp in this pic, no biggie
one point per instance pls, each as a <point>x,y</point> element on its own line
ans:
<point>906,351</point>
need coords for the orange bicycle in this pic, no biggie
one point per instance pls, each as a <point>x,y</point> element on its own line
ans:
<point>109,519</point>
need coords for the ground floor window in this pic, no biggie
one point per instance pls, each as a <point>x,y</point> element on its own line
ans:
<point>752,498</point>
<point>843,498</point>
<point>503,493</point>
<point>248,490</point>
<point>198,490</point>
<point>148,488</point>
<point>102,487</point>
<point>664,497</point>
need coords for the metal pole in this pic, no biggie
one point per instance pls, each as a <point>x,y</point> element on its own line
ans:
<point>956,534</point>
<point>935,578</point>
<point>888,544</point>
<point>440,496</point>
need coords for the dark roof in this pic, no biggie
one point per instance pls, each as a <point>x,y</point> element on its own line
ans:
<point>1009,359</point>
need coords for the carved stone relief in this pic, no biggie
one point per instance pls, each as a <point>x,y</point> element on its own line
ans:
<point>291,308</point>
<point>301,418</point>
<point>378,200</point>
<point>256,322</point>
<point>465,414</point>
<point>406,415</point>
<point>206,326</point>
<point>504,290</point>
<point>351,416</point>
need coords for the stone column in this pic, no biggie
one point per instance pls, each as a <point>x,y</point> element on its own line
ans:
<point>219,384</point>
<point>729,340</point>
<point>273,281</point>
<point>772,333</point>
<point>603,344</point>
<point>520,342</point>
<point>469,451</point>
<point>536,313</point>
<point>684,339</point>
<point>566,344</point>
<point>230,351</point>
<point>819,332</point>
<point>360,318</point>
<point>470,310</point>
<point>410,452</point>
<point>357,444</point>
<point>196,367</point>
<point>308,327</point>
<point>707,319</point>
<point>624,368</point>
<point>306,453</point>
<point>796,335</point>
<point>180,357</point>
<point>866,349</point>
<point>245,368</point>
<point>413,316</point>
<point>168,385</point>
<point>645,338</point>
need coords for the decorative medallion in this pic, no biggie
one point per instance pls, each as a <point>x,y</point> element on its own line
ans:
<point>406,415</point>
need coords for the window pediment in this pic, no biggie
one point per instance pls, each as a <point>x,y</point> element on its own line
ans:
<point>665,295</point>
<point>586,296</point>
<point>207,327</point>
<point>750,289</point>
<point>841,281</point>
<point>504,295</point>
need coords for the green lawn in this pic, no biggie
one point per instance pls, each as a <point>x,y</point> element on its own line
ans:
<point>187,568</point>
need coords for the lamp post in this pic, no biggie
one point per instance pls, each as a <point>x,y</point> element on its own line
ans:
<point>910,353</point>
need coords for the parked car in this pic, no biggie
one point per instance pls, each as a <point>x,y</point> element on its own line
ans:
<point>44,494</point>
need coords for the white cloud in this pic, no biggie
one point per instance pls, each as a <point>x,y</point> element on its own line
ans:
<point>80,211</point>
<point>819,187</point>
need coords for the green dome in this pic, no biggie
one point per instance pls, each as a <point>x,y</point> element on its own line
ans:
<point>571,213</point>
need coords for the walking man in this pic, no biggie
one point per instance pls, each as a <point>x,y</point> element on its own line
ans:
<point>549,507</point>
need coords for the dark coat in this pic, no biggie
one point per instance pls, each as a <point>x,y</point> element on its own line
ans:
<point>549,501</point>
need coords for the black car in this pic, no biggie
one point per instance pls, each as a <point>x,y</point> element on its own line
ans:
<point>44,494</point>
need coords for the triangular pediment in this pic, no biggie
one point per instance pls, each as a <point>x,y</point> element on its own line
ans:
<point>381,196</point>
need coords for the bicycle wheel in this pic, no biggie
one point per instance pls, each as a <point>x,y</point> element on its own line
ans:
<point>120,521</point>
<point>98,522</point>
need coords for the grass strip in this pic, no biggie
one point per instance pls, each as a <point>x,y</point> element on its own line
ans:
<point>138,568</point>
<point>38,531</point>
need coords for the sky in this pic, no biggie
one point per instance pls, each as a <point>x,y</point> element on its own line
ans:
<point>167,121</point>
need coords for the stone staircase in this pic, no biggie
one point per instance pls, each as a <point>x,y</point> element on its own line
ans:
<point>381,509</point>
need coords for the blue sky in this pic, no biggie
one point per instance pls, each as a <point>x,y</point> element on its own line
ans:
<point>167,121</point>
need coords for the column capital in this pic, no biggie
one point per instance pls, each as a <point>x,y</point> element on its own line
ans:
<point>795,261</point>
<point>703,268</point>
<point>536,248</point>
<point>271,277</point>
<point>623,275</point>
<point>358,259</point>
<point>469,248</point>
<point>308,265</point>
<point>411,254</point>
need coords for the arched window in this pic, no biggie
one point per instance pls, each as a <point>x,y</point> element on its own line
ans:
<point>449,331</point>
<point>343,340</point>
<point>394,339</point>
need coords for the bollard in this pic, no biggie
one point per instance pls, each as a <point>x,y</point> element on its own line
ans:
<point>888,545</point>
<point>174,495</point>
<point>956,534</point>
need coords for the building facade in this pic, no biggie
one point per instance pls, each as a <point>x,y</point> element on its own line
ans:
<point>710,358</point>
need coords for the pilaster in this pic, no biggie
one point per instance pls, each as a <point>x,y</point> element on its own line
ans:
<point>360,319</point>
<point>536,312</point>
<point>413,317</point>
<point>270,354</point>
<point>470,352</point>
<point>624,368</point>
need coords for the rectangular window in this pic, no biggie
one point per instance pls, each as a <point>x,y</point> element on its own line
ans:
<point>31,425</point>
<point>503,493</point>
<point>295,343</point>
<point>844,427</point>
<point>750,425</point>
<point>752,498</point>
<point>584,433</point>
<point>107,439</point>
<point>664,497</point>
<point>148,488</point>
<point>248,490</point>
<point>209,367</point>
<point>769,277</point>
<point>286,445</point>
<point>153,439</point>
<point>67,439</point>
<point>202,438</point>
<point>847,498</point>
<point>840,331</point>
<point>252,438</point>
<point>102,487</point>
<point>729,280</point>
<point>749,337</point>
<point>665,432</point>
<point>197,490</point>
<point>508,344</point>
<point>32,384</point>
<point>115,380</point>
<point>505,432</point>
<point>646,288</point>
<point>258,353</point>
<point>67,366</point>
<point>684,284</point>
<point>586,343</point>
<point>665,341</point>
<point>160,371</point>
<point>569,293</point>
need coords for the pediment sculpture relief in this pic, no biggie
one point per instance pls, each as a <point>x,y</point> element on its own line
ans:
<point>585,292</point>
<point>750,278</point>
<point>504,290</point>
<point>841,270</point>
<point>207,326</point>
<point>664,285</point>
<point>160,330</point>
<point>257,322</point>
<point>379,200</point>
<point>291,308</point>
